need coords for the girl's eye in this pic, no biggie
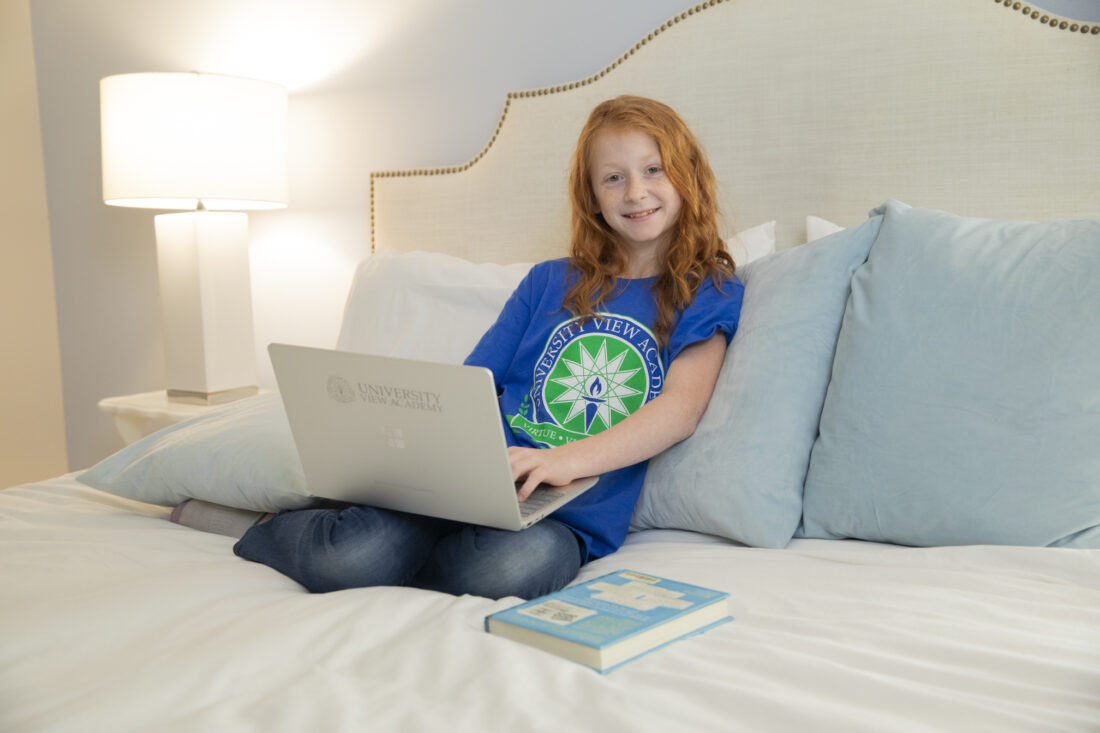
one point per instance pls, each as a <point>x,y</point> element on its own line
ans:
<point>653,170</point>
<point>614,178</point>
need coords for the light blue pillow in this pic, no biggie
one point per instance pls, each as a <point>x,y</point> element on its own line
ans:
<point>240,455</point>
<point>964,406</point>
<point>740,475</point>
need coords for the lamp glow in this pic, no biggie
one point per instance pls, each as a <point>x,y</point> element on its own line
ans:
<point>173,140</point>
<point>209,142</point>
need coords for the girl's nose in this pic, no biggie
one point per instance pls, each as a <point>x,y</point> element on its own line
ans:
<point>636,190</point>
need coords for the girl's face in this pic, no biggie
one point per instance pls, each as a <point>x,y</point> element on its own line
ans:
<point>632,192</point>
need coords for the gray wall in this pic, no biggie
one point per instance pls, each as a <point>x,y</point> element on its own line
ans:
<point>1087,10</point>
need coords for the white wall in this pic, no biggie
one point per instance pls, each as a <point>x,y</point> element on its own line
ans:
<point>375,85</point>
<point>32,430</point>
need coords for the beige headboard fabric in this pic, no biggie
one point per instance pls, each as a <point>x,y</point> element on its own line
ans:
<point>805,107</point>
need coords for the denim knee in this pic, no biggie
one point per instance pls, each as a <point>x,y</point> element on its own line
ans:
<point>495,563</point>
<point>328,549</point>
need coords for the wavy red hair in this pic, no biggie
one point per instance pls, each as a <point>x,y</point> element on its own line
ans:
<point>696,250</point>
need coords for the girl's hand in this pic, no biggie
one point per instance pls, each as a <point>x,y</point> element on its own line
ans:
<point>533,466</point>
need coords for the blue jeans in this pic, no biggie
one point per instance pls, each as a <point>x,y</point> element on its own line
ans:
<point>357,546</point>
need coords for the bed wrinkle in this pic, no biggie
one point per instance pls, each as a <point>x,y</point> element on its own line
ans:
<point>1055,565</point>
<point>881,676</point>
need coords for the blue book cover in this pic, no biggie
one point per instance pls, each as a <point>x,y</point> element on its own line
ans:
<point>609,620</point>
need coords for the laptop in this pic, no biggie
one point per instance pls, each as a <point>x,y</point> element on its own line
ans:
<point>415,436</point>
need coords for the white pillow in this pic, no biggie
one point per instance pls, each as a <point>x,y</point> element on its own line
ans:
<point>424,305</point>
<point>396,300</point>
<point>752,243</point>
<point>816,228</point>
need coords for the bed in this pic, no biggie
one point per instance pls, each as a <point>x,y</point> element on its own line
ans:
<point>813,113</point>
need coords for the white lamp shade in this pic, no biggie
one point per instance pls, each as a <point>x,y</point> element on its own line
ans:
<point>171,140</point>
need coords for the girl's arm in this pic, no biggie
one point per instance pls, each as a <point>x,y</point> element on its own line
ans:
<point>663,421</point>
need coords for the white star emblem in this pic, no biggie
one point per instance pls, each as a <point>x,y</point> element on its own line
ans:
<point>595,386</point>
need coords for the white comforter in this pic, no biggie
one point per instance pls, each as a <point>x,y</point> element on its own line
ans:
<point>114,619</point>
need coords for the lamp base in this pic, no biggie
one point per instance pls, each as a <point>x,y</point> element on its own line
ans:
<point>211,398</point>
<point>206,306</point>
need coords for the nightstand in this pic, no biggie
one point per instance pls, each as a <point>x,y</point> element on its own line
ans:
<point>137,415</point>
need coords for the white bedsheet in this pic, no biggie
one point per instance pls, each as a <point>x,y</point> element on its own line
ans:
<point>114,619</point>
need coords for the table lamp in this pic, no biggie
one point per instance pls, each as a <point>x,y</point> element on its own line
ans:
<point>216,146</point>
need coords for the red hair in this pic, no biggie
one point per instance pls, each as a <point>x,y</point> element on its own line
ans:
<point>696,250</point>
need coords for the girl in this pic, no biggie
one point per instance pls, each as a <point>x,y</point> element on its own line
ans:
<point>602,360</point>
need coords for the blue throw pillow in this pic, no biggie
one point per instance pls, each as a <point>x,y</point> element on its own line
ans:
<point>740,475</point>
<point>964,405</point>
<point>240,454</point>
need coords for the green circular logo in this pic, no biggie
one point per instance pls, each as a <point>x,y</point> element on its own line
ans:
<point>598,380</point>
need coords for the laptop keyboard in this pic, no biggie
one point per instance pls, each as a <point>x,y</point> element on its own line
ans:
<point>538,499</point>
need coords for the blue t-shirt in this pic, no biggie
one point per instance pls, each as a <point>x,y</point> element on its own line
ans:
<point>561,380</point>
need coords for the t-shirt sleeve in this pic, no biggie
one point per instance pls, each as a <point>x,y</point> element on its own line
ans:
<point>498,345</point>
<point>716,308</point>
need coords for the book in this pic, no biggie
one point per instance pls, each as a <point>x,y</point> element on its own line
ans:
<point>610,620</point>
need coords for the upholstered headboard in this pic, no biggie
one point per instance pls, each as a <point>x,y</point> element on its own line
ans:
<point>982,107</point>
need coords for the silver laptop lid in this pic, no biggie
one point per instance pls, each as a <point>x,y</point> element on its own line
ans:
<point>415,436</point>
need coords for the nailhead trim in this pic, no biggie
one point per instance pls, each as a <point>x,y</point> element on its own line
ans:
<point>1027,10</point>
<point>1052,21</point>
